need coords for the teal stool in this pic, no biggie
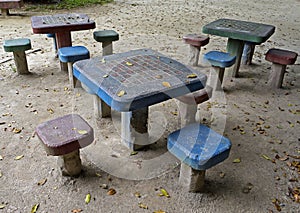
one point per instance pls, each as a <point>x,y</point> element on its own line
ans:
<point>18,47</point>
<point>219,61</point>
<point>106,37</point>
<point>70,55</point>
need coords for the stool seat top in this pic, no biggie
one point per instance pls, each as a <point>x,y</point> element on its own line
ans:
<point>196,40</point>
<point>15,45</point>
<point>279,56</point>
<point>65,134</point>
<point>73,54</point>
<point>199,146</point>
<point>220,59</point>
<point>106,35</point>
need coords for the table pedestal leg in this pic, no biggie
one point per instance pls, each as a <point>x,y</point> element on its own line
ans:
<point>101,109</point>
<point>235,47</point>
<point>63,39</point>
<point>134,128</point>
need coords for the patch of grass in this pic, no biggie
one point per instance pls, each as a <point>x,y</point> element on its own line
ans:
<point>64,4</point>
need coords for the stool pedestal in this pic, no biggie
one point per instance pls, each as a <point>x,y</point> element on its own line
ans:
<point>190,179</point>
<point>21,62</point>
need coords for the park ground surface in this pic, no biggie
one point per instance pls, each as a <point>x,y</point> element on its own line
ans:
<point>262,171</point>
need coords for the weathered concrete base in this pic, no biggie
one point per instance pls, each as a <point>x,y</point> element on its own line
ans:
<point>216,77</point>
<point>187,113</point>
<point>101,109</point>
<point>107,48</point>
<point>134,129</point>
<point>276,76</point>
<point>248,52</point>
<point>194,55</point>
<point>70,164</point>
<point>190,179</point>
<point>72,79</point>
<point>21,62</point>
<point>235,47</point>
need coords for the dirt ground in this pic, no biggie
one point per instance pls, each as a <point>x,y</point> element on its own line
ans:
<point>262,171</point>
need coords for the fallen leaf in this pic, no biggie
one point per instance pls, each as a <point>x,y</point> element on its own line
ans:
<point>0,174</point>
<point>128,63</point>
<point>87,198</point>
<point>159,211</point>
<point>277,204</point>
<point>222,174</point>
<point>98,174</point>
<point>51,111</point>
<point>164,193</point>
<point>121,93</point>
<point>19,157</point>
<point>111,191</point>
<point>104,186</point>
<point>76,210</point>
<point>192,76</point>
<point>105,76</point>
<point>42,182</point>
<point>17,131</point>
<point>166,84</point>
<point>174,113</point>
<point>2,206</point>
<point>133,153</point>
<point>103,60</point>
<point>82,132</point>
<point>137,194</point>
<point>1,158</point>
<point>237,160</point>
<point>159,76</point>
<point>266,157</point>
<point>78,94</point>
<point>143,206</point>
<point>35,208</point>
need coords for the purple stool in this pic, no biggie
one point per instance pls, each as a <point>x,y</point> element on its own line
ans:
<point>63,137</point>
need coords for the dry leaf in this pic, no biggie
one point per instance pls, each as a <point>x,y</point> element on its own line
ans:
<point>87,198</point>
<point>35,208</point>
<point>98,174</point>
<point>42,182</point>
<point>76,210</point>
<point>16,130</point>
<point>1,158</point>
<point>266,157</point>
<point>19,157</point>
<point>82,132</point>
<point>192,76</point>
<point>121,93</point>
<point>0,174</point>
<point>111,191</point>
<point>159,211</point>
<point>105,76</point>
<point>50,110</point>
<point>128,63</point>
<point>104,186</point>
<point>133,153</point>
<point>164,193</point>
<point>143,206</point>
<point>159,76</point>
<point>166,84</point>
<point>2,206</point>
<point>237,160</point>
<point>103,60</point>
<point>174,113</point>
<point>137,194</point>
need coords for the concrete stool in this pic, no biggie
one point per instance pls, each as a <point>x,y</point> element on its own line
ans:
<point>219,61</point>
<point>70,55</point>
<point>106,37</point>
<point>5,5</point>
<point>189,102</point>
<point>280,58</point>
<point>52,35</point>
<point>196,42</point>
<point>63,137</point>
<point>18,47</point>
<point>199,148</point>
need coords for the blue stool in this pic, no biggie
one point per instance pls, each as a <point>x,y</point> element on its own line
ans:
<point>199,148</point>
<point>219,61</point>
<point>18,47</point>
<point>52,35</point>
<point>70,55</point>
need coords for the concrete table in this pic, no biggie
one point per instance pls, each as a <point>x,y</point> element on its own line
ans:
<point>61,25</point>
<point>130,82</point>
<point>238,32</point>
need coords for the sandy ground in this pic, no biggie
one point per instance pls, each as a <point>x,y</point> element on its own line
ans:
<point>262,124</point>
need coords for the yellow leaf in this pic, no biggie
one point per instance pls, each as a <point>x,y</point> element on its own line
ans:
<point>50,110</point>
<point>42,182</point>
<point>137,194</point>
<point>87,198</point>
<point>133,153</point>
<point>237,160</point>
<point>82,132</point>
<point>159,211</point>
<point>166,84</point>
<point>111,191</point>
<point>159,76</point>
<point>143,206</point>
<point>2,206</point>
<point>164,193</point>
<point>35,208</point>
<point>98,174</point>
<point>78,94</point>
<point>19,157</point>
<point>128,63</point>
<point>105,76</point>
<point>266,157</point>
<point>1,158</point>
<point>121,93</point>
<point>192,76</point>
<point>175,113</point>
<point>0,174</point>
<point>103,60</point>
<point>16,130</point>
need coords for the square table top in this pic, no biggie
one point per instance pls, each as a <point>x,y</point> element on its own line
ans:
<point>241,30</point>
<point>61,23</point>
<point>137,79</point>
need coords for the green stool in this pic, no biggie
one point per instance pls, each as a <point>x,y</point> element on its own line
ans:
<point>106,37</point>
<point>18,47</point>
